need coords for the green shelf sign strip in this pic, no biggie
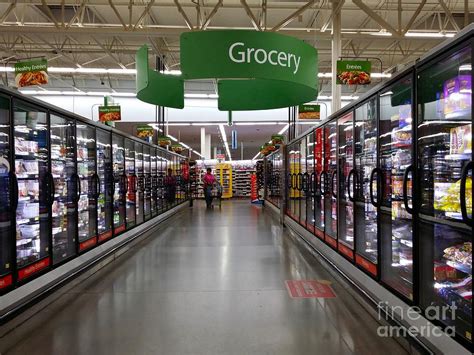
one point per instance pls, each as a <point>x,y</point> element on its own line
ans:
<point>254,70</point>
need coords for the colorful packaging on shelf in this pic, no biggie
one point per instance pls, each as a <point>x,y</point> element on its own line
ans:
<point>457,95</point>
<point>461,140</point>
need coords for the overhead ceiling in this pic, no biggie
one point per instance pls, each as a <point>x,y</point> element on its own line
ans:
<point>107,33</point>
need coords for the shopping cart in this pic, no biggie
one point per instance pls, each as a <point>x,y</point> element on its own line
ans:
<point>217,193</point>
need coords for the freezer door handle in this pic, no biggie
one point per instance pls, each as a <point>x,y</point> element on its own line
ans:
<point>305,183</point>
<point>312,183</point>
<point>464,173</point>
<point>322,183</point>
<point>333,190</point>
<point>78,188</point>
<point>97,185</point>
<point>299,182</point>
<point>52,187</point>
<point>408,170</point>
<point>351,173</point>
<point>15,191</point>
<point>374,172</point>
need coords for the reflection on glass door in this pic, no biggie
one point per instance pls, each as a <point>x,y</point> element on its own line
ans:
<point>396,146</point>
<point>89,192</point>
<point>305,200</point>
<point>35,189</point>
<point>160,180</point>
<point>444,168</point>
<point>346,181</point>
<point>330,193</point>
<point>131,183</point>
<point>309,183</point>
<point>147,182</point>
<point>140,181</point>
<point>120,183</point>
<point>105,185</point>
<point>154,181</point>
<point>8,198</point>
<point>320,181</point>
<point>66,184</point>
<point>366,198</point>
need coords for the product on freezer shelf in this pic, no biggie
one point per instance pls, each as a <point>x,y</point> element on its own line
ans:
<point>447,197</point>
<point>29,231</point>
<point>457,96</point>
<point>461,253</point>
<point>27,210</point>
<point>23,167</point>
<point>461,140</point>
<point>24,147</point>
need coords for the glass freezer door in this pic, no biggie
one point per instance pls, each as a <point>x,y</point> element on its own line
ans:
<point>86,169</point>
<point>66,186</point>
<point>147,182</point>
<point>140,181</point>
<point>305,201</point>
<point>120,183</point>
<point>444,167</point>
<point>330,193</point>
<point>154,182</point>
<point>35,189</point>
<point>346,181</point>
<point>105,184</point>
<point>8,198</point>
<point>131,183</point>
<point>366,174</point>
<point>320,181</point>
<point>396,147</point>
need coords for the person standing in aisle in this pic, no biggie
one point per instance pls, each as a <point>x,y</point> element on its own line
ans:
<point>209,181</point>
<point>170,186</point>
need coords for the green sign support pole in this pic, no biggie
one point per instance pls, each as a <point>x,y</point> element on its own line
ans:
<point>229,116</point>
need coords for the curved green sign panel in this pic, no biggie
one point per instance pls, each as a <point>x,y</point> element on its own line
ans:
<point>254,70</point>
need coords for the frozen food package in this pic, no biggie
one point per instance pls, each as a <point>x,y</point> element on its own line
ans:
<point>457,96</point>
<point>461,139</point>
<point>31,166</point>
<point>447,196</point>
<point>22,188</point>
<point>21,146</point>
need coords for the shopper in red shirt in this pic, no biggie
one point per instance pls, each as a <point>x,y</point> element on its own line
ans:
<point>209,181</point>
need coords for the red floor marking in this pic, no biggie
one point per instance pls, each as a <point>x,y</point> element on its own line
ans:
<point>309,289</point>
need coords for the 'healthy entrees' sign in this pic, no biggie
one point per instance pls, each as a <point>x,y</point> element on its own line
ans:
<point>31,72</point>
<point>109,113</point>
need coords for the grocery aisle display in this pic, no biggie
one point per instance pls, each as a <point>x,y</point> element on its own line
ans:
<point>397,185</point>
<point>318,180</point>
<point>66,187</point>
<point>444,131</point>
<point>396,163</point>
<point>154,181</point>
<point>366,174</point>
<point>120,183</point>
<point>7,200</point>
<point>106,186</point>
<point>147,183</point>
<point>131,200</point>
<point>35,190</point>
<point>346,181</point>
<point>140,189</point>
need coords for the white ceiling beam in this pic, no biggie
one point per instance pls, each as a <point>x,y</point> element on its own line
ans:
<point>117,14</point>
<point>183,14</point>
<point>207,21</point>
<point>49,14</point>
<point>77,14</point>
<point>376,17</point>
<point>294,15</point>
<point>449,15</point>
<point>415,15</point>
<point>109,53</point>
<point>326,24</point>
<point>144,13</point>
<point>130,13</point>
<point>250,15</point>
<point>466,13</point>
<point>7,12</point>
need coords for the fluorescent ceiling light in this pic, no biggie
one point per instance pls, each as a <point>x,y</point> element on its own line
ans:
<point>386,93</point>
<point>179,124</point>
<point>429,34</point>
<point>200,96</point>
<point>204,124</point>
<point>255,123</point>
<point>465,67</point>
<point>374,75</point>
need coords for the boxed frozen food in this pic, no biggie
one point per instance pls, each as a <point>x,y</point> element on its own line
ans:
<point>28,210</point>
<point>457,95</point>
<point>461,140</point>
<point>461,253</point>
<point>447,196</point>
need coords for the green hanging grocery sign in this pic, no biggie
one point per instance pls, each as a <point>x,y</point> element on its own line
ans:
<point>31,72</point>
<point>254,70</point>
<point>309,112</point>
<point>353,72</point>
<point>109,113</point>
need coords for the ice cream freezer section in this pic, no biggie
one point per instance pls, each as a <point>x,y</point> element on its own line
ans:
<point>444,164</point>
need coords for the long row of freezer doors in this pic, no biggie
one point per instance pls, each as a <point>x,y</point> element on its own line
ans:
<point>66,186</point>
<point>370,181</point>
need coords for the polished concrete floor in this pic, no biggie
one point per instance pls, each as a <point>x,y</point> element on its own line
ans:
<point>209,282</point>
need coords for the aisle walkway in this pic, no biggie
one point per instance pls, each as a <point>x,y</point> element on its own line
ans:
<point>210,282</point>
